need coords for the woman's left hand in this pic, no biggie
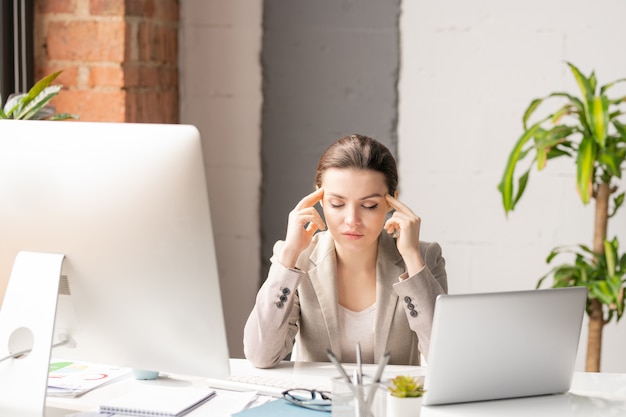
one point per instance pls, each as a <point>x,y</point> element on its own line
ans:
<point>405,226</point>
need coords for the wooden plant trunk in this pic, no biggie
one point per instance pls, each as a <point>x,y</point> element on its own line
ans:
<point>594,338</point>
<point>596,315</point>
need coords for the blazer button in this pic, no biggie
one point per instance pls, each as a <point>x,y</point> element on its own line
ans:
<point>280,304</point>
<point>413,313</point>
<point>283,298</point>
<point>410,306</point>
<point>286,291</point>
<point>407,299</point>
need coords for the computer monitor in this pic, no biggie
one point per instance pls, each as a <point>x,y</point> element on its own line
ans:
<point>127,205</point>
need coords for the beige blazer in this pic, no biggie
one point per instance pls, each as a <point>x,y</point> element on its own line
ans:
<point>296,310</point>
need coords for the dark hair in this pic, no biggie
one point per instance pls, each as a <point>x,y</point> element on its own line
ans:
<point>359,152</point>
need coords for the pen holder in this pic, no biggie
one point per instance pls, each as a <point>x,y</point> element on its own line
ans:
<point>364,400</point>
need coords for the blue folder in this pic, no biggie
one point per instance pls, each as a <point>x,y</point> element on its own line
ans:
<point>280,408</point>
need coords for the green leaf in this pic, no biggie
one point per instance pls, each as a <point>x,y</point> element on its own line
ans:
<point>599,118</point>
<point>605,87</point>
<point>610,253</point>
<point>621,128</point>
<point>610,161</point>
<point>19,106</point>
<point>63,116</point>
<point>13,104</point>
<point>601,291</point>
<point>584,165</point>
<point>506,184</point>
<point>617,101</point>
<point>38,102</point>
<point>617,203</point>
<point>521,186</point>
<point>584,83</point>
<point>531,109</point>
<point>41,85</point>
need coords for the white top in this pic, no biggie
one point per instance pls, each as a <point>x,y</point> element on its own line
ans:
<point>357,326</point>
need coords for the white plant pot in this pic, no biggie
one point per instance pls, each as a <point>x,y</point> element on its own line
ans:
<point>403,407</point>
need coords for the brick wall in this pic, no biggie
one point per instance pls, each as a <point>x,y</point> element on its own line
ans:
<point>119,57</point>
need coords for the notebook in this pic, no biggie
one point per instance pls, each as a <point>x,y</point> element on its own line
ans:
<point>503,345</point>
<point>157,400</point>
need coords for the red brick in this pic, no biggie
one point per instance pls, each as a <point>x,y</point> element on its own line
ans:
<point>152,107</point>
<point>140,8</point>
<point>86,41</point>
<point>167,10</point>
<point>106,76</point>
<point>168,77</point>
<point>144,41</point>
<point>130,75</point>
<point>56,6</point>
<point>92,106</point>
<point>169,43</point>
<point>106,7</point>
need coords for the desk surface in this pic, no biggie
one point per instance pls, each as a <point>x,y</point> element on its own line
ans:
<point>592,394</point>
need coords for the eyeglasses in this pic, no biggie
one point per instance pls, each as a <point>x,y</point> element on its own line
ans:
<point>309,398</point>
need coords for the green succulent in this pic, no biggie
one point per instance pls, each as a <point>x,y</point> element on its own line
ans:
<point>405,386</point>
<point>34,104</point>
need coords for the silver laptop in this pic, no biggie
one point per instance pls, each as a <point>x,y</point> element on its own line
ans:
<point>503,345</point>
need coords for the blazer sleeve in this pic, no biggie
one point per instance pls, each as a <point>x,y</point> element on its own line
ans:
<point>272,325</point>
<point>419,292</point>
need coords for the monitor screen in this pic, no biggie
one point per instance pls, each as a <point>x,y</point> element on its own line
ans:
<point>127,205</point>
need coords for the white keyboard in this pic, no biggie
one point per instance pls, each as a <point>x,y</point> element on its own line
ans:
<point>273,385</point>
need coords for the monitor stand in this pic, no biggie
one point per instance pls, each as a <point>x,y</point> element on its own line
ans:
<point>27,322</point>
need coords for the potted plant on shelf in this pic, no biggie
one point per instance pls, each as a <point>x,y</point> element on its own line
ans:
<point>405,397</point>
<point>34,105</point>
<point>587,129</point>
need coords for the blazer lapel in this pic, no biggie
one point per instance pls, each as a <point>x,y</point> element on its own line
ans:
<point>389,267</point>
<point>324,281</point>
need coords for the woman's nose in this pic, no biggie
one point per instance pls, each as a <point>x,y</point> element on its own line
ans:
<point>352,217</point>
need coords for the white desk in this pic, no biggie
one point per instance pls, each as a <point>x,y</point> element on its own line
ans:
<point>591,395</point>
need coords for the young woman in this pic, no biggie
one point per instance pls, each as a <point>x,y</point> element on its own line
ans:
<point>362,275</point>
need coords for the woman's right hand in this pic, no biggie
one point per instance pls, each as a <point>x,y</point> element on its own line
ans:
<point>304,221</point>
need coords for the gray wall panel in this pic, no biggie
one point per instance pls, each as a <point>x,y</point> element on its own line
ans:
<point>330,68</point>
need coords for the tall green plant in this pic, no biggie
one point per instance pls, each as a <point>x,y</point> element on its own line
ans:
<point>588,129</point>
<point>34,104</point>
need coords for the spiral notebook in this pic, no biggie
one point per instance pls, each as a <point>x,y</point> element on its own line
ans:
<point>157,400</point>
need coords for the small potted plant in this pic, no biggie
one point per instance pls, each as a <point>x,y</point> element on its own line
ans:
<point>405,397</point>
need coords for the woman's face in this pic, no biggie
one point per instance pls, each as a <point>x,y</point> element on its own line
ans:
<point>354,206</point>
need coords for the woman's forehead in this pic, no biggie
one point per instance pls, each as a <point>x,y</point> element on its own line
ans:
<point>360,183</point>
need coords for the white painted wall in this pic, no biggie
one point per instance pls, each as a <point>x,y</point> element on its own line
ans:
<point>469,70</point>
<point>220,88</point>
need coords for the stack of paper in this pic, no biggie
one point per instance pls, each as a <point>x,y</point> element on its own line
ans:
<point>72,379</point>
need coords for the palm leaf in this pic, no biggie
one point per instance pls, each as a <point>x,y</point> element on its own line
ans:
<point>599,118</point>
<point>584,168</point>
<point>584,83</point>
<point>611,84</point>
<point>506,184</point>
